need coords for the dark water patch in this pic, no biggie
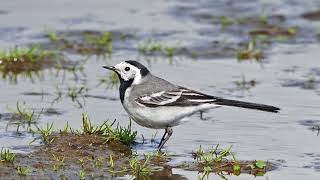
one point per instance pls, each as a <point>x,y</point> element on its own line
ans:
<point>314,72</point>
<point>157,35</point>
<point>310,123</point>
<point>2,12</point>
<point>102,97</point>
<point>35,94</point>
<point>21,135</point>
<point>88,18</point>
<point>215,49</point>
<point>309,80</point>
<point>313,125</point>
<point>309,84</point>
<point>312,16</point>
<point>51,112</point>
<point>9,33</point>
<point>315,163</point>
<point>291,69</point>
<point>23,149</point>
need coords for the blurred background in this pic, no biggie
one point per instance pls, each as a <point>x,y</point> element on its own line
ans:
<point>52,53</point>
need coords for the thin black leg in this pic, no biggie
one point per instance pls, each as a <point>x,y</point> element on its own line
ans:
<point>201,115</point>
<point>162,139</point>
<point>169,131</point>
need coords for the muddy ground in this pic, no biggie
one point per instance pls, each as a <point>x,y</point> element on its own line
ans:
<point>85,156</point>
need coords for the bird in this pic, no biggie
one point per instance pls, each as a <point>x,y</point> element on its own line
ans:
<point>156,103</point>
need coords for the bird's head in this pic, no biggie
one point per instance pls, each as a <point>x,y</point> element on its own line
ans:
<point>129,71</point>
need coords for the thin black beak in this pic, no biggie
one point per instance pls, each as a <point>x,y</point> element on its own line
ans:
<point>110,68</point>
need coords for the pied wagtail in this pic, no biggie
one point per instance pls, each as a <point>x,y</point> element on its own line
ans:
<point>156,103</point>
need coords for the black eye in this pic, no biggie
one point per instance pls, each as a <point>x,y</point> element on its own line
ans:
<point>127,68</point>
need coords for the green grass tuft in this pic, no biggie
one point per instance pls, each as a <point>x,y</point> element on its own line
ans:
<point>45,134</point>
<point>223,161</point>
<point>122,134</point>
<point>23,171</point>
<point>250,52</point>
<point>52,35</point>
<point>6,156</point>
<point>23,116</point>
<point>139,169</point>
<point>58,162</point>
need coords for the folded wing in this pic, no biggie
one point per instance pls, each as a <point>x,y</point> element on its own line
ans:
<point>179,97</point>
<point>186,97</point>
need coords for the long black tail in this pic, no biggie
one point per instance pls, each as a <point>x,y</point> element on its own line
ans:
<point>248,105</point>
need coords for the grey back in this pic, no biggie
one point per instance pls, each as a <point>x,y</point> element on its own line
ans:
<point>151,84</point>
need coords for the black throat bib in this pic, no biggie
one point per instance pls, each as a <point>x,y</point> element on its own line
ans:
<point>124,85</point>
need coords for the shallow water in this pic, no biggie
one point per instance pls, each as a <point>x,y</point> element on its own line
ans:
<point>284,139</point>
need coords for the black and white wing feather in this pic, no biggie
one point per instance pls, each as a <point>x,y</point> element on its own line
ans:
<point>186,97</point>
<point>179,97</point>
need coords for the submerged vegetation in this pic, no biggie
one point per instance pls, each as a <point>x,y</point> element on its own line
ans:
<point>244,84</point>
<point>316,128</point>
<point>75,93</point>
<point>23,116</point>
<point>102,42</point>
<point>224,161</point>
<point>151,47</point>
<point>27,61</point>
<point>88,42</point>
<point>277,33</point>
<point>111,80</point>
<point>250,52</point>
<point>19,60</point>
<point>223,21</point>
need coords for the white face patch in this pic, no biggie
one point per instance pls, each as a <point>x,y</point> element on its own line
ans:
<point>128,72</point>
